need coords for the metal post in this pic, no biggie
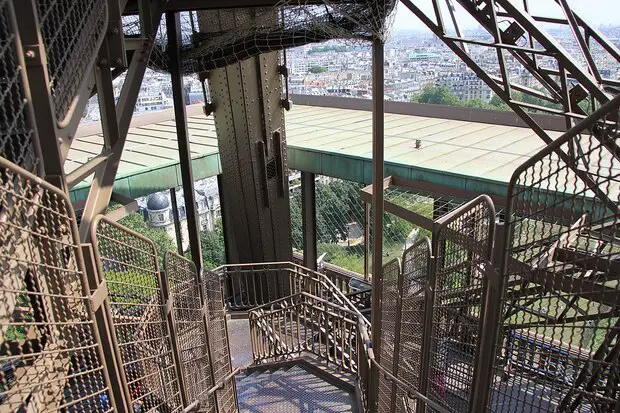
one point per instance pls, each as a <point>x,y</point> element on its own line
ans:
<point>176,219</point>
<point>173,28</point>
<point>229,249</point>
<point>377,207</point>
<point>308,214</point>
<point>367,250</point>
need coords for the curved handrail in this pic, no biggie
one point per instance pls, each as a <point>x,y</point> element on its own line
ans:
<point>306,272</point>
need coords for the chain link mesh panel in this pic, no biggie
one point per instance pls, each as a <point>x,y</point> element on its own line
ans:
<point>389,309</point>
<point>340,223</point>
<point>49,354</point>
<point>413,289</point>
<point>72,32</point>
<point>218,342</point>
<point>128,262</point>
<point>190,329</point>
<point>16,132</point>
<point>559,343</point>
<point>463,249</point>
<point>294,188</point>
<point>402,324</point>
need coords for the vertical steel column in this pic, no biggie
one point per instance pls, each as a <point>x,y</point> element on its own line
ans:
<point>308,216</point>
<point>427,323</point>
<point>173,28</point>
<point>367,250</point>
<point>177,221</point>
<point>377,207</point>
<point>229,250</point>
<point>397,337</point>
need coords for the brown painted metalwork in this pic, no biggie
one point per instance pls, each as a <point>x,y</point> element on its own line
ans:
<point>128,264</point>
<point>50,355</point>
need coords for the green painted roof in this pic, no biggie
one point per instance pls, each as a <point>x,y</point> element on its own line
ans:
<point>473,156</point>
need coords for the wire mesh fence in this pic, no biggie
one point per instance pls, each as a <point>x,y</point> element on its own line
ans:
<point>341,221</point>
<point>294,188</point>
<point>218,342</point>
<point>190,329</point>
<point>462,249</point>
<point>389,313</point>
<point>72,32</point>
<point>221,37</point>
<point>16,132</point>
<point>403,312</point>
<point>50,359</point>
<point>410,335</point>
<point>128,263</point>
<point>559,325</point>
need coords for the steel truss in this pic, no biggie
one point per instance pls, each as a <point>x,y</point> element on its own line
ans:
<point>571,84</point>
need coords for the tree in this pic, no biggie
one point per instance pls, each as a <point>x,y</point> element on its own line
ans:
<point>498,104</point>
<point>297,236</point>
<point>437,95</point>
<point>163,242</point>
<point>533,100</point>
<point>212,246</point>
<point>337,204</point>
<point>317,69</point>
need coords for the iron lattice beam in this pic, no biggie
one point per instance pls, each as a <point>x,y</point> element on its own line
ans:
<point>562,79</point>
<point>117,117</point>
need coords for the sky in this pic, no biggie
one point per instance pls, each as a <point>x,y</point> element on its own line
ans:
<point>595,12</point>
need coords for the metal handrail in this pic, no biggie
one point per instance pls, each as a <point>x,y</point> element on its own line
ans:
<point>337,347</point>
<point>223,270</point>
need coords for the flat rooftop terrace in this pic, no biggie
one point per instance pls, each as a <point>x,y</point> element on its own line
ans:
<point>463,149</point>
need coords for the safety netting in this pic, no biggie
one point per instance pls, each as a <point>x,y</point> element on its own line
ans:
<point>216,38</point>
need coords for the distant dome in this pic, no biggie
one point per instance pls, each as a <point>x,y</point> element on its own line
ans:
<point>157,202</point>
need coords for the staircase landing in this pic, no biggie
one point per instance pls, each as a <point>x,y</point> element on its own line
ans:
<point>292,388</point>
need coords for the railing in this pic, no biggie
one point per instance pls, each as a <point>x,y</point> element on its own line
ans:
<point>247,286</point>
<point>347,281</point>
<point>334,333</point>
<point>305,323</point>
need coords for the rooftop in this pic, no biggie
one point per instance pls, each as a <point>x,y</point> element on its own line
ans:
<point>335,141</point>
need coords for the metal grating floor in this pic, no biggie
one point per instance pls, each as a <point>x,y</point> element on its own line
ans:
<point>290,390</point>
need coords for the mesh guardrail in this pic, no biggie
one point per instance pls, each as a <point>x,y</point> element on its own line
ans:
<point>72,32</point>
<point>128,262</point>
<point>340,223</point>
<point>50,358</point>
<point>218,342</point>
<point>16,132</point>
<point>559,342</point>
<point>190,329</point>
<point>389,309</point>
<point>462,249</point>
